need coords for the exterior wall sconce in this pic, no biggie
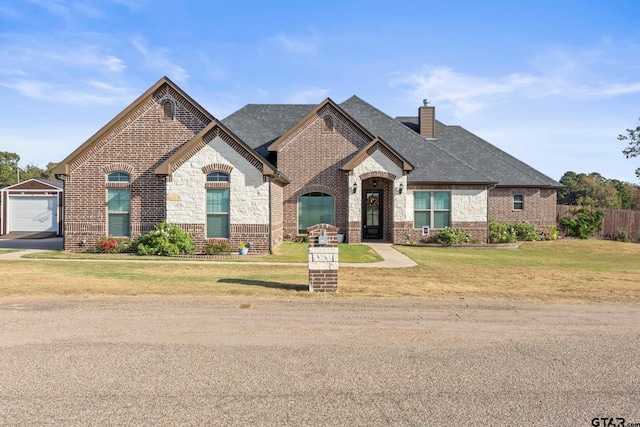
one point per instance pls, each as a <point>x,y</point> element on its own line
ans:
<point>401,188</point>
<point>355,188</point>
<point>375,183</point>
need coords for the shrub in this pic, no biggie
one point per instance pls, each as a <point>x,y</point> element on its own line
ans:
<point>452,236</point>
<point>218,247</point>
<point>583,222</point>
<point>164,239</point>
<point>111,245</point>
<point>501,233</point>
<point>551,233</point>
<point>527,232</point>
<point>623,236</point>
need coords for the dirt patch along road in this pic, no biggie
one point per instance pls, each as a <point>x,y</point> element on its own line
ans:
<point>325,362</point>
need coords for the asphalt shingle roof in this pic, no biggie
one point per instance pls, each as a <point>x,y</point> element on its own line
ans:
<point>454,156</point>
<point>483,156</point>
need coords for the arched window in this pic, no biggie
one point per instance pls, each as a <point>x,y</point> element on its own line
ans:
<point>167,110</point>
<point>118,177</point>
<point>315,208</point>
<point>327,124</point>
<point>217,177</point>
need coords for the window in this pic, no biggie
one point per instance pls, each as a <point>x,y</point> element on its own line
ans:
<point>118,177</point>
<point>118,209</point>
<point>314,208</point>
<point>167,110</point>
<point>431,209</point>
<point>518,202</point>
<point>217,177</point>
<point>218,213</point>
<point>327,124</point>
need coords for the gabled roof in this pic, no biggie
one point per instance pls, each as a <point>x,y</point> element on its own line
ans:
<point>363,154</point>
<point>259,125</point>
<point>186,151</point>
<point>432,163</point>
<point>53,183</point>
<point>63,168</point>
<point>500,166</point>
<point>277,144</point>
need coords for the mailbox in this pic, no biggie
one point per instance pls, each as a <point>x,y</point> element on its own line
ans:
<point>322,238</point>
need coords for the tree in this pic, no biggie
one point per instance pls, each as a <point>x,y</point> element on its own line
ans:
<point>596,191</point>
<point>9,170</point>
<point>633,149</point>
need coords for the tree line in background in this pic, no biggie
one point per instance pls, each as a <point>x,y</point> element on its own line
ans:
<point>11,173</point>
<point>594,190</point>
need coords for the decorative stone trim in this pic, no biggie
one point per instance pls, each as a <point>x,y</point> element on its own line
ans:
<point>111,184</point>
<point>377,174</point>
<point>217,167</point>
<point>314,189</point>
<point>217,185</point>
<point>117,167</point>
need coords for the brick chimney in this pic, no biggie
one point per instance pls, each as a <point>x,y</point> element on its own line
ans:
<point>427,119</point>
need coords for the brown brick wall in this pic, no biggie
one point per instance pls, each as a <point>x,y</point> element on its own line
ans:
<point>539,205</point>
<point>312,159</point>
<point>140,142</point>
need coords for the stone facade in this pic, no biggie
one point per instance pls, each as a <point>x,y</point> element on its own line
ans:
<point>135,143</point>
<point>323,258</point>
<point>168,144</point>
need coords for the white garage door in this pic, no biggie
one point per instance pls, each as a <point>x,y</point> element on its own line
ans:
<point>33,213</point>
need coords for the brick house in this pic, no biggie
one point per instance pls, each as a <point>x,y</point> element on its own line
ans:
<point>267,172</point>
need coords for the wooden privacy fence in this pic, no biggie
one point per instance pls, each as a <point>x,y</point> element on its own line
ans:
<point>613,221</point>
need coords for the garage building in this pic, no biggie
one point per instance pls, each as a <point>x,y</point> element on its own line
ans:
<point>33,206</point>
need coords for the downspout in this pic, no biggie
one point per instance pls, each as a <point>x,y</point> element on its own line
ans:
<point>270,217</point>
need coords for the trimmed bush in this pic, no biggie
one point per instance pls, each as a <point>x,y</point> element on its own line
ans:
<point>501,233</point>
<point>452,236</point>
<point>527,232</point>
<point>164,240</point>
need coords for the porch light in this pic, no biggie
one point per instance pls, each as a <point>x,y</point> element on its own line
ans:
<point>401,188</point>
<point>375,183</point>
<point>355,188</point>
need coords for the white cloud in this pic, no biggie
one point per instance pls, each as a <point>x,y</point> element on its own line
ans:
<point>79,93</point>
<point>157,59</point>
<point>308,95</point>
<point>590,74</point>
<point>297,45</point>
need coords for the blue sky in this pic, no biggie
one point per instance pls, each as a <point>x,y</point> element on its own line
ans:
<point>551,82</point>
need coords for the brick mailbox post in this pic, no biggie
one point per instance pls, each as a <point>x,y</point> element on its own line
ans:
<point>323,258</point>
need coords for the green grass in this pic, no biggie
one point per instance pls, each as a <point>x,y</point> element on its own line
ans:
<point>286,252</point>
<point>566,270</point>
<point>7,251</point>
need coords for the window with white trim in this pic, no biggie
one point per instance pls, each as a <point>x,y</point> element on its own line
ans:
<point>518,202</point>
<point>431,208</point>
<point>217,177</point>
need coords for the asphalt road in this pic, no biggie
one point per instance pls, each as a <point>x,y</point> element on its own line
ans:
<point>309,361</point>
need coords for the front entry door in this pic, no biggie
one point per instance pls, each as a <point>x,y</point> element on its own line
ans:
<point>372,214</point>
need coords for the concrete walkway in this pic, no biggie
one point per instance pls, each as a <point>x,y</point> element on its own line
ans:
<point>392,259</point>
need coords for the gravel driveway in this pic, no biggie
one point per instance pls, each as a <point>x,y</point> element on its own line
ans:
<point>151,361</point>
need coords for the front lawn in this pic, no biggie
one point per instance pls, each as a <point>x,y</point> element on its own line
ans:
<point>565,270</point>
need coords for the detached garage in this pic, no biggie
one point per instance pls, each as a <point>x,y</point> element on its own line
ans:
<point>33,206</point>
